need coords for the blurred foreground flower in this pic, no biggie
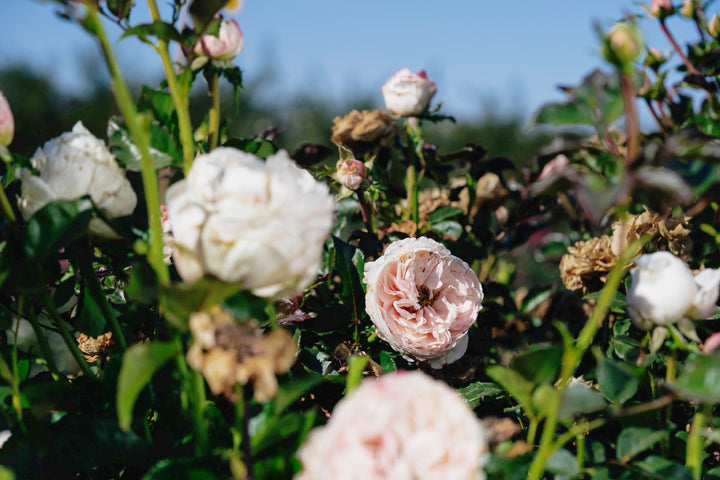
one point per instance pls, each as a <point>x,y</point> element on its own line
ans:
<point>664,291</point>
<point>622,45</point>
<point>363,132</point>
<point>228,354</point>
<point>422,300</point>
<point>408,94</point>
<point>224,47</point>
<point>350,173</point>
<point>7,122</point>
<point>403,425</point>
<point>71,166</point>
<point>242,219</point>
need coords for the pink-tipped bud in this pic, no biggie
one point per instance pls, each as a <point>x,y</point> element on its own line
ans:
<point>660,8</point>
<point>224,47</point>
<point>350,173</point>
<point>714,26</point>
<point>687,9</point>
<point>7,122</point>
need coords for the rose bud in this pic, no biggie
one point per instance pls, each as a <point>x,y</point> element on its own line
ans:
<point>687,9</point>
<point>7,122</point>
<point>422,300</point>
<point>402,425</point>
<point>224,47</point>
<point>714,26</point>
<point>664,291</point>
<point>622,45</point>
<point>243,220</point>
<point>660,8</point>
<point>350,173</point>
<point>71,166</point>
<point>408,94</point>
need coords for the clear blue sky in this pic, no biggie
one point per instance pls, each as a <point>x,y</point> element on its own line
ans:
<point>515,52</point>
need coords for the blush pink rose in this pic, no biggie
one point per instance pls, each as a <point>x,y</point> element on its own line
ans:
<point>350,173</point>
<point>422,300</point>
<point>224,47</point>
<point>408,94</point>
<point>7,122</point>
<point>401,426</point>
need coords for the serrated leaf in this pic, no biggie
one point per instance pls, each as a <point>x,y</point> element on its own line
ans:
<point>55,225</point>
<point>579,398</point>
<point>353,293</point>
<point>257,146</point>
<point>635,440</point>
<point>443,213</point>
<point>162,30</point>
<point>476,392</point>
<point>513,383</point>
<point>448,228</point>
<point>563,463</point>
<point>616,382</point>
<point>563,114</point>
<point>140,362</point>
<point>540,364</point>
<point>699,380</point>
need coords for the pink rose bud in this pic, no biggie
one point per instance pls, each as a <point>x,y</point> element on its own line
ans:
<point>687,9</point>
<point>622,45</point>
<point>714,25</point>
<point>660,8</point>
<point>408,94</point>
<point>350,173</point>
<point>7,123</point>
<point>224,47</point>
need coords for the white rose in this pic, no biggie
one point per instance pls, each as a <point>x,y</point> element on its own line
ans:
<point>71,166</point>
<point>664,291</point>
<point>408,94</point>
<point>241,219</point>
<point>403,425</point>
<point>224,47</point>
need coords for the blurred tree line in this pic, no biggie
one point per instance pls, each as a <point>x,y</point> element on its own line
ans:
<point>43,112</point>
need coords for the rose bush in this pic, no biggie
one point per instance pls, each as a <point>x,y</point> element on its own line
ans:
<point>241,219</point>
<point>422,299</point>
<point>408,94</point>
<point>73,165</point>
<point>401,426</point>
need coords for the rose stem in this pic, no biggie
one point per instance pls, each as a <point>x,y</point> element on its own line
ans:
<point>140,137</point>
<point>214,113</point>
<point>178,93</point>
<point>88,273</point>
<point>192,397</point>
<point>690,68</point>
<point>42,340</point>
<point>365,210</point>
<point>71,343</point>
<point>694,449</point>
<point>6,207</point>
<point>656,117</point>
<point>631,118</point>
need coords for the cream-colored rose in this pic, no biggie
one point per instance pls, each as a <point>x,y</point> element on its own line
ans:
<point>242,219</point>
<point>408,94</point>
<point>401,426</point>
<point>664,291</point>
<point>71,166</point>
<point>422,300</point>
<point>224,47</point>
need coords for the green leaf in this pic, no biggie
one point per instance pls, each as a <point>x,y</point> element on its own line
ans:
<point>353,293</point>
<point>55,225</point>
<point>92,320</point>
<point>294,389</point>
<point>579,398</point>
<point>635,440</point>
<point>161,30</point>
<point>140,362</point>
<point>663,468</point>
<point>160,104</point>
<point>356,365</point>
<point>563,114</point>
<point>540,364</point>
<point>448,228</point>
<point>513,383</point>
<point>203,11</point>
<point>386,362</point>
<point>616,381</point>
<point>128,154</point>
<point>120,8</point>
<point>180,300</point>
<point>476,392</point>
<point>6,473</point>
<point>182,468</point>
<point>257,146</point>
<point>443,213</point>
<point>563,463</point>
<point>699,380</point>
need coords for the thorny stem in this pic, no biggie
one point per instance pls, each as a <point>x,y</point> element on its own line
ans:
<point>365,210</point>
<point>659,122</point>
<point>631,118</point>
<point>140,137</point>
<point>690,68</point>
<point>214,113</point>
<point>179,95</point>
<point>667,120</point>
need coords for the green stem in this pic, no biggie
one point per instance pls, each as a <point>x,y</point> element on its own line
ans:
<point>6,207</point>
<point>532,430</point>
<point>695,446</point>
<point>15,378</point>
<point>413,210</point>
<point>580,453</point>
<point>214,114</point>
<point>192,399</point>
<point>365,210</point>
<point>140,136</point>
<point>42,341</point>
<point>71,343</point>
<point>88,273</point>
<point>178,93</point>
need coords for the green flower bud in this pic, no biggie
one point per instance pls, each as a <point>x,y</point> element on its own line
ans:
<point>622,45</point>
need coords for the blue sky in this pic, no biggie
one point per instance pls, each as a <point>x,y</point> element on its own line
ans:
<point>510,53</point>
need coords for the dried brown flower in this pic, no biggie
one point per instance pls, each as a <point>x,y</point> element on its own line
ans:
<point>93,348</point>
<point>228,353</point>
<point>363,132</point>
<point>585,261</point>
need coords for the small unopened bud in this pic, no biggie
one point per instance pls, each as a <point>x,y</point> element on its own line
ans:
<point>654,58</point>
<point>660,8</point>
<point>622,45</point>
<point>350,173</point>
<point>687,9</point>
<point>7,123</point>
<point>714,26</point>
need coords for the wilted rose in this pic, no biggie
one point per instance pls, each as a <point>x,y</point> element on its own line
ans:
<point>224,47</point>
<point>241,219</point>
<point>422,299</point>
<point>664,291</point>
<point>403,425</point>
<point>7,122</point>
<point>408,94</point>
<point>73,165</point>
<point>350,173</point>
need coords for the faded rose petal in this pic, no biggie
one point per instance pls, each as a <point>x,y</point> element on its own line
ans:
<point>408,94</point>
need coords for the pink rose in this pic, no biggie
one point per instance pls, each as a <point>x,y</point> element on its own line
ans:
<point>403,425</point>
<point>408,94</point>
<point>224,47</point>
<point>660,8</point>
<point>7,122</point>
<point>422,300</point>
<point>350,173</point>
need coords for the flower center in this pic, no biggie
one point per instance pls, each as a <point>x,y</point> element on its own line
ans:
<point>424,296</point>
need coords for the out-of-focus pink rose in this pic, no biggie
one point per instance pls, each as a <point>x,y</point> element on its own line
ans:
<point>555,165</point>
<point>350,173</point>
<point>167,234</point>
<point>422,300</point>
<point>660,8</point>
<point>711,343</point>
<point>227,45</point>
<point>403,425</point>
<point>408,94</point>
<point>7,122</point>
